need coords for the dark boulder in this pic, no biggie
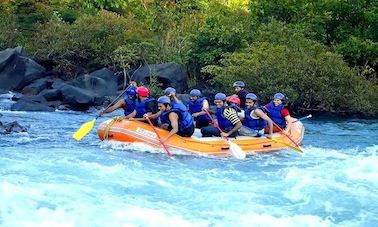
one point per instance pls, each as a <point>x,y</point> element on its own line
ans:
<point>77,98</point>
<point>167,74</point>
<point>17,70</point>
<point>51,94</point>
<point>36,86</point>
<point>11,127</point>
<point>101,82</point>
<point>29,105</point>
<point>87,90</point>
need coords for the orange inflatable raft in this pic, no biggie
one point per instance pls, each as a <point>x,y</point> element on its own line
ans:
<point>136,131</point>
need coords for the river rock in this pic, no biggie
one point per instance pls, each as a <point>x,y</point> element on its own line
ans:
<point>29,105</point>
<point>36,86</point>
<point>167,74</point>
<point>51,94</point>
<point>11,127</point>
<point>17,70</point>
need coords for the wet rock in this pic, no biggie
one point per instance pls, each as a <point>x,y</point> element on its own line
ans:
<point>11,127</point>
<point>168,74</point>
<point>17,70</point>
<point>36,87</point>
<point>101,82</point>
<point>51,94</point>
<point>29,105</point>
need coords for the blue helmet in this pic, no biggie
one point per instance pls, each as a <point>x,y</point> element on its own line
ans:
<point>131,91</point>
<point>279,96</point>
<point>195,92</point>
<point>251,96</point>
<point>220,96</point>
<point>164,100</point>
<point>169,90</point>
<point>238,84</point>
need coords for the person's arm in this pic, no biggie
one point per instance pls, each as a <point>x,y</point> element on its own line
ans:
<point>205,106</point>
<point>261,114</point>
<point>285,113</point>
<point>232,116</point>
<point>153,116</point>
<point>173,118</point>
<point>119,104</point>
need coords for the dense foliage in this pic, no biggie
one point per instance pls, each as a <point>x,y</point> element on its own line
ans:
<point>322,54</point>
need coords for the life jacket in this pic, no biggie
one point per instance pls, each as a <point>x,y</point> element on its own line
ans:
<point>130,105</point>
<point>185,119</point>
<point>141,107</point>
<point>252,122</point>
<point>274,112</point>
<point>195,107</point>
<point>223,122</point>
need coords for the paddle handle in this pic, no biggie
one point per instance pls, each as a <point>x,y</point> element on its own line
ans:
<point>163,144</point>
<point>303,118</point>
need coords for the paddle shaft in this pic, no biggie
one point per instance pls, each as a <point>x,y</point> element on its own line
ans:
<point>163,144</point>
<point>303,118</point>
<point>116,99</point>
<point>274,140</point>
<point>296,144</point>
<point>215,124</point>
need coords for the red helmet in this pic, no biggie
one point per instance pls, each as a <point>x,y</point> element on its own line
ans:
<point>234,100</point>
<point>143,91</point>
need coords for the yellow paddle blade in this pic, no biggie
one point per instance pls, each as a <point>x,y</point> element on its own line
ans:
<point>236,151</point>
<point>83,130</point>
<point>297,149</point>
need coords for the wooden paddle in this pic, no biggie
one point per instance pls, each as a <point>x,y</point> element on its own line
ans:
<point>88,126</point>
<point>236,151</point>
<point>162,143</point>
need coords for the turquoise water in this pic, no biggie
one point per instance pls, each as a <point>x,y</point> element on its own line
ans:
<point>48,179</point>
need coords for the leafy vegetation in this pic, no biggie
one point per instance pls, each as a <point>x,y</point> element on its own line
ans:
<point>322,54</point>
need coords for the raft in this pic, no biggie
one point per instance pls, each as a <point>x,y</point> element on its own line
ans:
<point>137,131</point>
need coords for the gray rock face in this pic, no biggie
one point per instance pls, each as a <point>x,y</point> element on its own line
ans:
<point>17,70</point>
<point>168,74</point>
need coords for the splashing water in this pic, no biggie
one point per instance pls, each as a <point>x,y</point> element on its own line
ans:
<point>48,179</point>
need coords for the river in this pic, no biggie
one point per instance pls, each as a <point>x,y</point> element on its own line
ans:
<point>48,179</point>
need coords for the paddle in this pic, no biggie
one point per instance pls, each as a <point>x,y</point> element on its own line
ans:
<point>282,131</point>
<point>236,151</point>
<point>88,126</point>
<point>162,143</point>
<point>302,118</point>
<point>276,140</point>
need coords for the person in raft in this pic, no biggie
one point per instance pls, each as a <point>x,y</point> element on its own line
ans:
<point>255,119</point>
<point>197,106</point>
<point>279,113</point>
<point>176,119</point>
<point>170,92</point>
<point>240,91</point>
<point>228,120</point>
<point>145,105</point>
<point>128,103</point>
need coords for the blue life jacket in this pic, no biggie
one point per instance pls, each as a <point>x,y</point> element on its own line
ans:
<point>185,119</point>
<point>253,123</point>
<point>223,122</point>
<point>274,113</point>
<point>141,107</point>
<point>195,107</point>
<point>130,105</point>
